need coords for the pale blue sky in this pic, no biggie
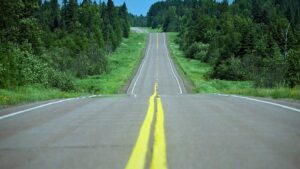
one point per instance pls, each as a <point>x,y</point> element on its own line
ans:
<point>136,7</point>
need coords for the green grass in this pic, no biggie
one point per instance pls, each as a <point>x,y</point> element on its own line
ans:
<point>31,94</point>
<point>150,30</point>
<point>196,72</point>
<point>122,65</point>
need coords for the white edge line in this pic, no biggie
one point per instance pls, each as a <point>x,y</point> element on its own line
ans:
<point>261,101</point>
<point>44,105</point>
<point>60,101</point>
<point>141,68</point>
<point>168,56</point>
<point>33,108</point>
<point>92,96</point>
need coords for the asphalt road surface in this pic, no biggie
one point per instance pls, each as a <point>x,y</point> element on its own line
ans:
<point>171,129</point>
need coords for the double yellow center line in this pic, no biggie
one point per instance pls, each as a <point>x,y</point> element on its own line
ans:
<point>138,156</point>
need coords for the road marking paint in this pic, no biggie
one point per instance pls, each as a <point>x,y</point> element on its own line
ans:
<point>34,108</point>
<point>44,105</point>
<point>159,156</point>
<point>138,156</point>
<point>92,96</point>
<point>141,68</point>
<point>261,101</point>
<point>137,159</point>
<point>168,56</point>
<point>266,102</point>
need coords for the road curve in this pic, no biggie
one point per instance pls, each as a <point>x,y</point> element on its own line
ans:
<point>199,131</point>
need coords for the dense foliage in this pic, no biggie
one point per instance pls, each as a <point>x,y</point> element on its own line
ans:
<point>138,20</point>
<point>45,43</point>
<point>255,40</point>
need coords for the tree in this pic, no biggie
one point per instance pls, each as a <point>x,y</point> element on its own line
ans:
<point>10,14</point>
<point>55,15</point>
<point>48,45</point>
<point>123,14</point>
<point>111,11</point>
<point>170,23</point>
<point>293,68</point>
<point>245,40</point>
<point>64,15</point>
<point>71,15</point>
<point>224,6</point>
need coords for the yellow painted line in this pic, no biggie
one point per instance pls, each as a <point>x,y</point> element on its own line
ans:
<point>137,159</point>
<point>159,156</point>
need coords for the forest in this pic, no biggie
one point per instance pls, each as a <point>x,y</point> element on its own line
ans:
<point>51,43</point>
<point>137,20</point>
<point>255,40</point>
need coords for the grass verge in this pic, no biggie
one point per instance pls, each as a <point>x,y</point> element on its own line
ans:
<point>122,64</point>
<point>151,30</point>
<point>196,72</point>
<point>31,93</point>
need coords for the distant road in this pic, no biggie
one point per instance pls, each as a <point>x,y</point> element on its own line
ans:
<point>157,124</point>
<point>138,30</point>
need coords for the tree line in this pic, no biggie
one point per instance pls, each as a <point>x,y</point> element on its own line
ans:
<point>257,40</point>
<point>49,43</point>
<point>138,20</point>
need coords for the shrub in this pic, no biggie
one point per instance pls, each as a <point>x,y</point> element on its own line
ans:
<point>90,62</point>
<point>230,69</point>
<point>60,80</point>
<point>293,68</point>
<point>19,67</point>
<point>271,72</point>
<point>197,50</point>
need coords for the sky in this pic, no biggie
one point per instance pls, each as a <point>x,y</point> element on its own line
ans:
<point>136,7</point>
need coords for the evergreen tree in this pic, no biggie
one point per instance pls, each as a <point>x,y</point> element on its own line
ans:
<point>110,11</point>
<point>124,17</point>
<point>55,15</point>
<point>293,69</point>
<point>64,14</point>
<point>71,14</point>
<point>245,40</point>
<point>40,42</point>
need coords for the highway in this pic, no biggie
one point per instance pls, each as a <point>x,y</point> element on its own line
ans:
<point>155,125</point>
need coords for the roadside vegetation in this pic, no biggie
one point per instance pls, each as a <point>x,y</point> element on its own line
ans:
<point>249,42</point>
<point>137,20</point>
<point>32,93</point>
<point>122,64</point>
<point>197,73</point>
<point>50,51</point>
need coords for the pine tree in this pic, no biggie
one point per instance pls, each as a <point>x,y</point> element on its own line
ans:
<point>64,15</point>
<point>259,14</point>
<point>293,68</point>
<point>55,15</point>
<point>110,11</point>
<point>224,6</point>
<point>10,15</point>
<point>124,17</point>
<point>71,14</point>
